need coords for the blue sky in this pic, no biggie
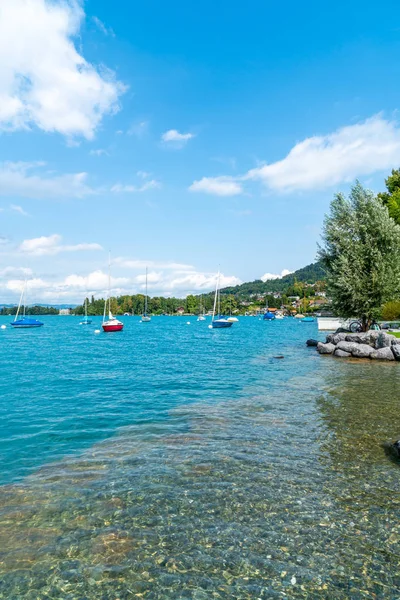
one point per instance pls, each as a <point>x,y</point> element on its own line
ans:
<point>184,136</point>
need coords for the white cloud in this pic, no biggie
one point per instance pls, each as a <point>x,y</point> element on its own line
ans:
<point>127,263</point>
<point>269,276</point>
<point>44,80</point>
<point>15,271</point>
<point>218,186</point>
<point>320,162</point>
<point>143,174</point>
<point>28,180</point>
<point>175,138</point>
<point>51,245</point>
<point>19,210</point>
<point>120,188</point>
<point>323,161</point>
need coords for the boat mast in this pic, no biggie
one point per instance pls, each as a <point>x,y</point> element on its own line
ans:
<point>145,298</point>
<point>215,297</point>
<point>109,286</point>
<point>20,301</point>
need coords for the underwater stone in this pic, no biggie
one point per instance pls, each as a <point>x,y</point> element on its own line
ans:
<point>313,343</point>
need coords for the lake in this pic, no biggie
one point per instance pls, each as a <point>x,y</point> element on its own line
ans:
<point>174,461</point>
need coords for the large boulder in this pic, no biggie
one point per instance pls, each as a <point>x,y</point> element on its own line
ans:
<point>342,330</point>
<point>337,337</point>
<point>396,351</point>
<point>347,346</point>
<point>312,343</point>
<point>325,348</point>
<point>362,351</point>
<point>383,340</point>
<point>383,354</point>
<point>359,338</point>
<point>395,340</point>
<point>341,353</point>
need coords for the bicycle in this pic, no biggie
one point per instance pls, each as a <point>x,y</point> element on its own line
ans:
<point>357,327</point>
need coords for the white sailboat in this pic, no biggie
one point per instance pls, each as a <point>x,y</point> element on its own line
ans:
<point>145,316</point>
<point>110,324</point>
<point>218,321</point>
<point>201,316</point>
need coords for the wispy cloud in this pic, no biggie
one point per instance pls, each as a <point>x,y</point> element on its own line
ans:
<point>119,188</point>
<point>19,210</point>
<point>217,186</point>
<point>101,27</point>
<point>138,129</point>
<point>50,245</point>
<point>44,80</point>
<point>151,264</point>
<point>99,152</point>
<point>29,180</point>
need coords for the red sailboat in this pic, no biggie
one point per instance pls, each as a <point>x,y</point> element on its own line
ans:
<point>110,324</point>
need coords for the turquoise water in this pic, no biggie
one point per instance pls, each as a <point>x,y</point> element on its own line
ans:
<point>171,461</point>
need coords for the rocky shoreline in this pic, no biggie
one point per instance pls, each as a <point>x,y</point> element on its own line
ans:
<point>376,345</point>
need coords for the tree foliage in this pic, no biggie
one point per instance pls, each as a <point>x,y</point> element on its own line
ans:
<point>391,198</point>
<point>361,255</point>
<point>391,311</point>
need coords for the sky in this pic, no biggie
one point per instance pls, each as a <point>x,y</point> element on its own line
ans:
<point>184,137</point>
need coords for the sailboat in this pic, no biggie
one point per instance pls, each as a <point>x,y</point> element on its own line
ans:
<point>231,318</point>
<point>85,320</point>
<point>25,322</point>
<point>201,316</point>
<point>268,316</point>
<point>111,324</point>
<point>218,321</point>
<point>145,317</point>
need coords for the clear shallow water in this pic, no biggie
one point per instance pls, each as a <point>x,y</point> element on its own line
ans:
<point>171,461</point>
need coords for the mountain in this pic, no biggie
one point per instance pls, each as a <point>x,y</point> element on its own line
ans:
<point>309,274</point>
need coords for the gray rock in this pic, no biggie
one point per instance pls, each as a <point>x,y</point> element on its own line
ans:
<point>396,351</point>
<point>312,343</point>
<point>362,351</point>
<point>342,330</point>
<point>394,448</point>
<point>347,346</point>
<point>395,341</point>
<point>383,354</point>
<point>338,337</point>
<point>341,353</point>
<point>383,340</point>
<point>359,338</point>
<point>325,348</point>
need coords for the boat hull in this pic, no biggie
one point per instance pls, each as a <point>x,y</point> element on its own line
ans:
<point>110,328</point>
<point>146,319</point>
<point>221,324</point>
<point>26,324</point>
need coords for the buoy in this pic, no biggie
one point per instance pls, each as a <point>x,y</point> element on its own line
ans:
<point>210,327</point>
<point>97,331</point>
<point>4,327</point>
<point>188,323</point>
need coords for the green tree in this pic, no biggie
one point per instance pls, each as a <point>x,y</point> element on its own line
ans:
<point>391,310</point>
<point>391,198</point>
<point>361,255</point>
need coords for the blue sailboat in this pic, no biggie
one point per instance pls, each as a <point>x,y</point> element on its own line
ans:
<point>218,321</point>
<point>24,322</point>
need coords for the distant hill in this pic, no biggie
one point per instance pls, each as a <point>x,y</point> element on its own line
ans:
<point>309,274</point>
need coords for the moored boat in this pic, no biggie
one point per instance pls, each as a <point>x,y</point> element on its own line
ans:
<point>111,324</point>
<point>218,321</point>
<point>24,322</point>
